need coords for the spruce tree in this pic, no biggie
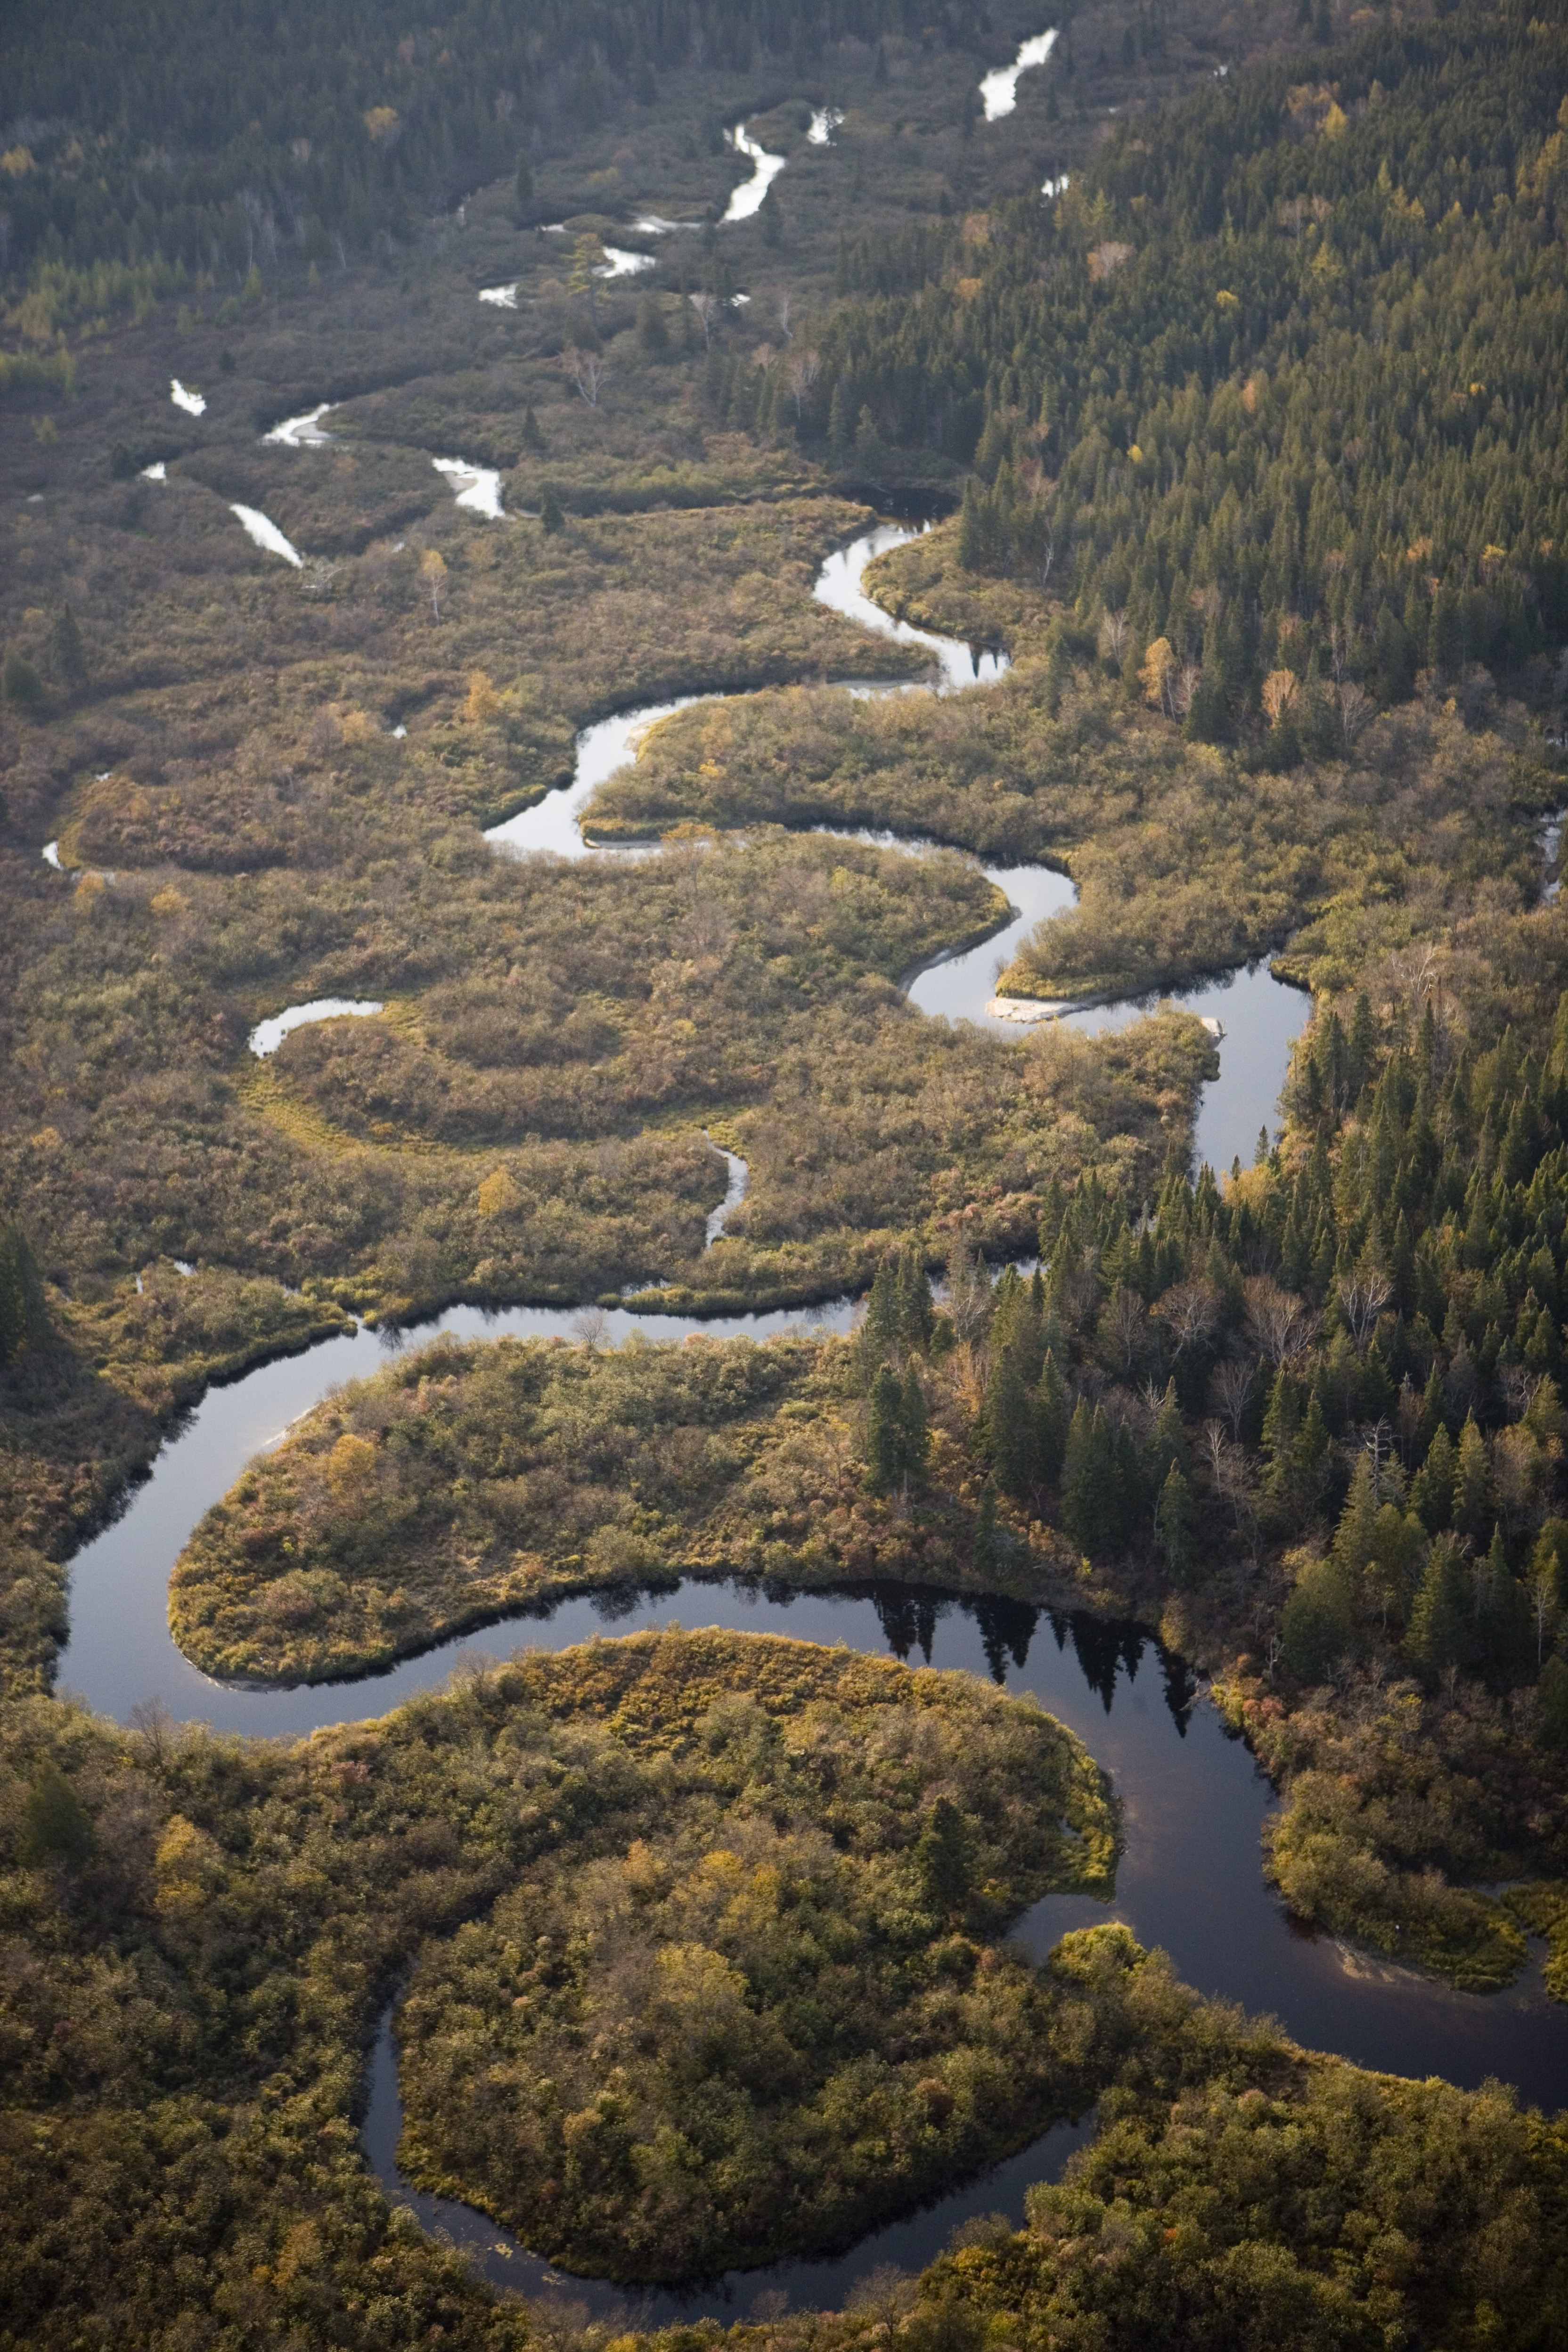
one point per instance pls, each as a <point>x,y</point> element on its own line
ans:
<point>942,1857</point>
<point>916,1314</point>
<point>1090,1509</point>
<point>987,1553</point>
<point>1168,1443</point>
<point>1173,1524</point>
<point>1050,1423</point>
<point>56,1827</point>
<point>1010,1425</point>
<point>1355,1539</point>
<point>1432,1488</point>
<point>1552,1703</point>
<point>1473,1508</point>
<point>1440,1634</point>
<point>914,1429</point>
<point>884,1432</point>
<point>21,1294</point>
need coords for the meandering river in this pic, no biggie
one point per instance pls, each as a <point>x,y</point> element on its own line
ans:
<point>1194,1802</point>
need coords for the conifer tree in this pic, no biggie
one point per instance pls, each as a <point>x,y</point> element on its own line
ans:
<point>1355,1539</point>
<point>1050,1423</point>
<point>56,1827</point>
<point>1440,1634</point>
<point>1089,1505</point>
<point>1551,1702</point>
<point>943,1858</point>
<point>987,1553</point>
<point>21,1294</point>
<point>1316,1629</point>
<point>1010,1424</point>
<point>884,1432</point>
<point>1472,1483</point>
<point>1173,1524</point>
<point>1432,1488</point>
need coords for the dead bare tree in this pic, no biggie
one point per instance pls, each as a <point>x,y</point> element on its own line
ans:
<point>707,309</point>
<point>1356,707</point>
<point>1363,1297</point>
<point>1234,1382</point>
<point>1183,685</point>
<point>1190,1312</point>
<point>588,371</point>
<point>1125,1324</point>
<point>1113,631</point>
<point>801,372</point>
<point>1281,1324</point>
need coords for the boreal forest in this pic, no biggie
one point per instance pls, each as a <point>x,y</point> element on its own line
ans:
<point>783,1176</point>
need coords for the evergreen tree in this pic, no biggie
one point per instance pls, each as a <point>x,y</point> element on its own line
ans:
<point>898,1437</point>
<point>1473,1505</point>
<point>1440,1634</point>
<point>550,514</point>
<point>68,649</point>
<point>1168,1447</point>
<point>653,333</point>
<point>1090,1510</point>
<point>1317,1628</point>
<point>1050,1423</point>
<point>1355,1539</point>
<point>988,1551</point>
<point>884,1432</point>
<point>1551,1702</point>
<point>1010,1425</point>
<point>1432,1488</point>
<point>21,1294</point>
<point>56,1827</point>
<point>914,1429</point>
<point>943,1857</point>
<point>916,1314</point>
<point>1398,1556</point>
<point>1173,1524</point>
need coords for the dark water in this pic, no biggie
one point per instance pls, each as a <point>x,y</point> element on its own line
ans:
<point>1194,1802</point>
<point>1190,1880</point>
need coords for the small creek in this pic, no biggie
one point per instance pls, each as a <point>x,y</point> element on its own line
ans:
<point>749,196</point>
<point>266,534</point>
<point>999,89</point>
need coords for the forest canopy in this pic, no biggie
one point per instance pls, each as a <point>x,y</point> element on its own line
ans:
<point>1273,392</point>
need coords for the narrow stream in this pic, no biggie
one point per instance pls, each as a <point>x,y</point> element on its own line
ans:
<point>749,196</point>
<point>999,89</point>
